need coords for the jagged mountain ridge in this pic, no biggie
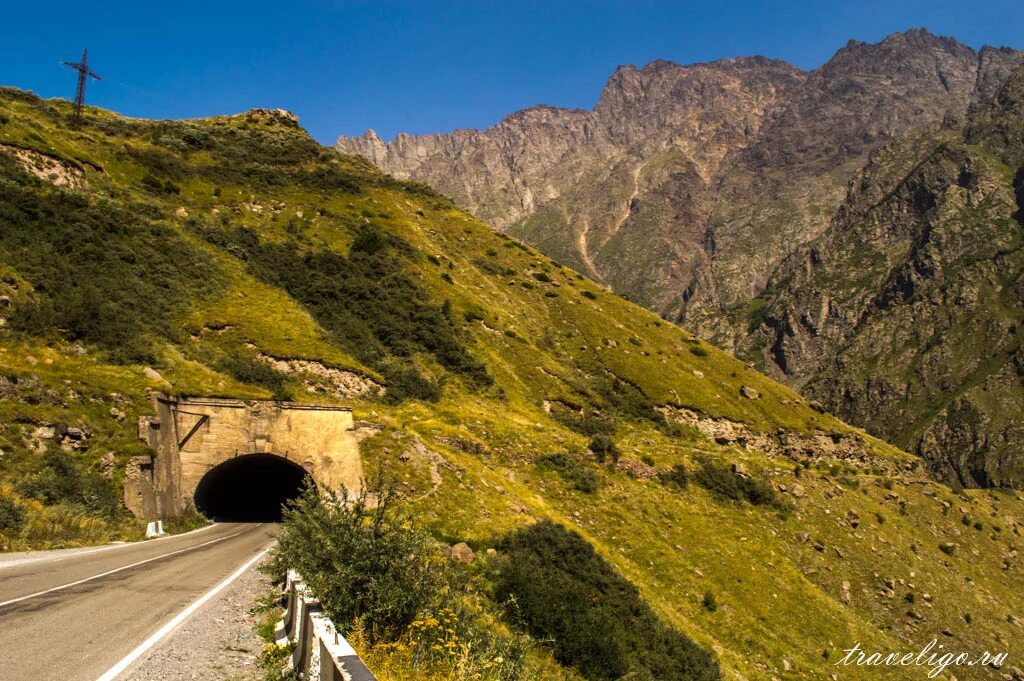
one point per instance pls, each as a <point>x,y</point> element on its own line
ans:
<point>667,145</point>
<point>687,187</point>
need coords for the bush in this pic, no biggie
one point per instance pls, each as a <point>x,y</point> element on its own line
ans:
<point>709,602</point>
<point>406,383</point>
<point>582,477</point>
<point>629,400</point>
<point>725,483</point>
<point>698,351</point>
<point>12,514</point>
<point>677,476</point>
<point>59,480</point>
<point>561,590</point>
<point>248,369</point>
<point>363,563</point>
<point>584,422</point>
<point>604,448</point>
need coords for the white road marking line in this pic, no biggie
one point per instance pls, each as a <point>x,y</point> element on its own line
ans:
<point>110,572</point>
<point>131,657</point>
<point>74,553</point>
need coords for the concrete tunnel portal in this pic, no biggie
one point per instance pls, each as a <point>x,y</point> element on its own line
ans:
<point>250,488</point>
<point>238,460</point>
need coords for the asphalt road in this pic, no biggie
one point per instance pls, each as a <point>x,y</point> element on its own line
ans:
<point>72,617</point>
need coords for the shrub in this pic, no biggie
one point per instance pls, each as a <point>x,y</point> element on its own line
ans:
<point>362,562</point>
<point>584,422</point>
<point>561,590</point>
<point>709,602</point>
<point>405,383</point>
<point>580,476</point>
<point>723,482</point>
<point>698,351</point>
<point>59,480</point>
<point>12,514</point>
<point>248,369</point>
<point>589,294</point>
<point>604,448</point>
<point>629,400</point>
<point>487,267</point>
<point>677,476</point>
<point>542,276</point>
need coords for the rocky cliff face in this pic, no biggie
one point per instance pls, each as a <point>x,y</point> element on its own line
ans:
<point>704,192</point>
<point>905,315</point>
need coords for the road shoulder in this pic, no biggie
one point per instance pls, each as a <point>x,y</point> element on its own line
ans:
<point>217,643</point>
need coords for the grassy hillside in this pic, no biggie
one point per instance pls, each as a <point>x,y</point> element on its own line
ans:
<point>235,256</point>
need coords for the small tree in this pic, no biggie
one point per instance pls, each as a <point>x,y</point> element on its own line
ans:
<point>604,448</point>
<point>364,561</point>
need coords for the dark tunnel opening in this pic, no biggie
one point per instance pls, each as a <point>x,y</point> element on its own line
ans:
<point>249,489</point>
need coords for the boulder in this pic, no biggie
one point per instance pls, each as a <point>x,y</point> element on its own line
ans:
<point>461,553</point>
<point>152,374</point>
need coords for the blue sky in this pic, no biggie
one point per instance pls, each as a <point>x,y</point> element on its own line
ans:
<point>429,66</point>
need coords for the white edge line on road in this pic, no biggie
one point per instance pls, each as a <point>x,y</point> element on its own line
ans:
<point>74,553</point>
<point>110,572</point>
<point>131,657</point>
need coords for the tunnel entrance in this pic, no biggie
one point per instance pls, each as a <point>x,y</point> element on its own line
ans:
<point>249,489</point>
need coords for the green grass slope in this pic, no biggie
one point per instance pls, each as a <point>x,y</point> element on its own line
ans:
<point>235,256</point>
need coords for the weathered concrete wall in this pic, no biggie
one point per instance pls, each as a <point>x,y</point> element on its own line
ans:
<point>319,438</point>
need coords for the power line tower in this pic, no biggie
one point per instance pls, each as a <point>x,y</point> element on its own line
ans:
<point>84,74</point>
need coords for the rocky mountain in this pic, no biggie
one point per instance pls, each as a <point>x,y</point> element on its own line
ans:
<point>906,312</point>
<point>687,188</point>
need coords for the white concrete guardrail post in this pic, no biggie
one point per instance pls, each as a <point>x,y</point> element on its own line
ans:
<point>320,651</point>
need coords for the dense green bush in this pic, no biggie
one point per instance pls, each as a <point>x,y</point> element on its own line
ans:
<point>248,369</point>
<point>60,480</point>
<point>561,590</point>
<point>406,383</point>
<point>12,514</point>
<point>364,561</point>
<point>677,476</point>
<point>604,448</point>
<point>579,475</point>
<point>628,400</point>
<point>723,482</point>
